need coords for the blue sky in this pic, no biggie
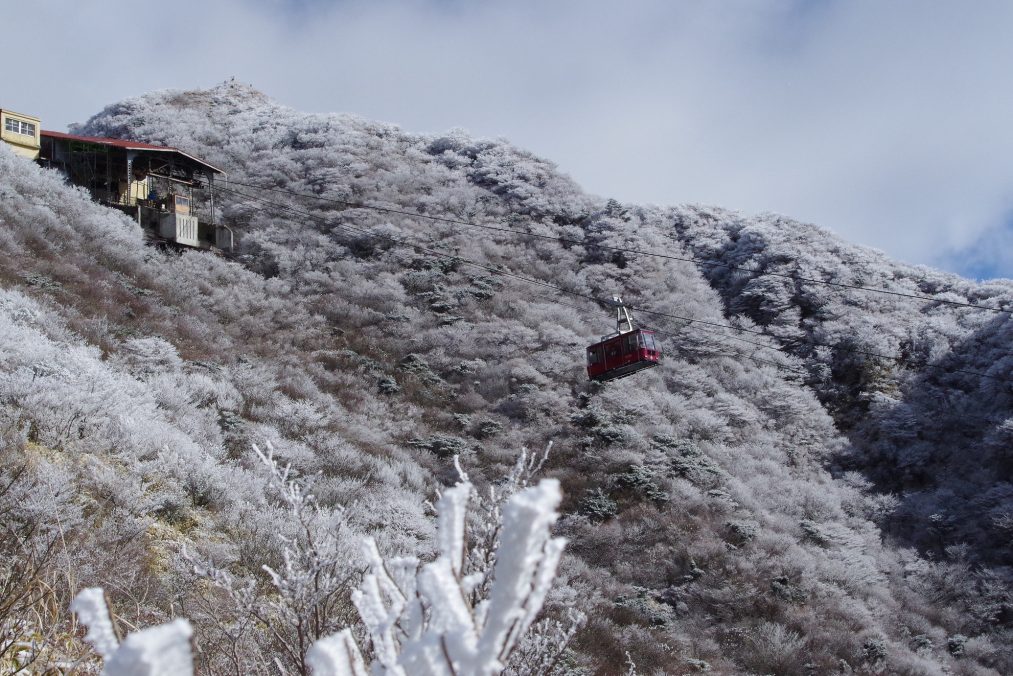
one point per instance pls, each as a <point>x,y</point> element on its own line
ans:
<point>887,122</point>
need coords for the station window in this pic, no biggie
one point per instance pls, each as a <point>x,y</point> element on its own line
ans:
<point>19,126</point>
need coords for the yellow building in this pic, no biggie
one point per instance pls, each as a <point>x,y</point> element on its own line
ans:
<point>20,132</point>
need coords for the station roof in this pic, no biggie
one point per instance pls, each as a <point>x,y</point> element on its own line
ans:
<point>17,114</point>
<point>128,145</point>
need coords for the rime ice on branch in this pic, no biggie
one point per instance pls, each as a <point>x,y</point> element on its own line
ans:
<point>90,606</point>
<point>462,614</point>
<point>157,651</point>
<point>421,618</point>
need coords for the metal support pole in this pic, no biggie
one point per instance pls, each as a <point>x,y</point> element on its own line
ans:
<point>130,182</point>
<point>109,175</point>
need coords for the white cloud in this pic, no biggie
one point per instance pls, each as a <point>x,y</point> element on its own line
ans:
<point>887,122</point>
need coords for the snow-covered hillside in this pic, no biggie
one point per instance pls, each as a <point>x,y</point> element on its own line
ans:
<point>774,501</point>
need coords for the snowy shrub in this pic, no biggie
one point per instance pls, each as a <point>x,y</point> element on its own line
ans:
<point>776,649</point>
<point>387,385</point>
<point>646,607</point>
<point>309,589</point>
<point>608,428</point>
<point>488,428</point>
<point>466,612</point>
<point>742,531</point>
<point>441,445</point>
<point>598,506</point>
<point>34,508</point>
<point>689,462</point>
<point>812,532</point>
<point>698,665</point>
<point>42,282</point>
<point>484,288</point>
<point>955,644</point>
<point>784,588</point>
<point>642,482</point>
<point>417,366</point>
<point>874,650</point>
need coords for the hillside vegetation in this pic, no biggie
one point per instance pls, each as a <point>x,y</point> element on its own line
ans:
<point>826,492</point>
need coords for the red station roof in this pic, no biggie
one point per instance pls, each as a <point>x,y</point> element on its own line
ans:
<point>127,145</point>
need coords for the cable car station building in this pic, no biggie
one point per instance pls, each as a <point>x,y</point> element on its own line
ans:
<point>169,192</point>
<point>21,133</point>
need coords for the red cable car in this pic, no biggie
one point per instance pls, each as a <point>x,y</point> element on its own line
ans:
<point>627,351</point>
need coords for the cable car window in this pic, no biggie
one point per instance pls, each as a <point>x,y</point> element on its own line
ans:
<point>630,343</point>
<point>647,341</point>
<point>594,356</point>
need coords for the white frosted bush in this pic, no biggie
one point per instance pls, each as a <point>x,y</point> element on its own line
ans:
<point>462,614</point>
<point>424,619</point>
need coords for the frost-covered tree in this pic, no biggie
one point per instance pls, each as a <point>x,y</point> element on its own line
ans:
<point>827,471</point>
<point>463,613</point>
<point>307,595</point>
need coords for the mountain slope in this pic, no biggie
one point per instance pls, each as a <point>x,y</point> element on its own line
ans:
<point>709,512</point>
<point>933,424</point>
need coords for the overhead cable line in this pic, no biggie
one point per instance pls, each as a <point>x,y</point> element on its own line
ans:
<point>529,280</point>
<point>498,271</point>
<point>784,367</point>
<point>680,334</point>
<point>779,366</point>
<point>490,268</point>
<point>538,282</point>
<point>625,250</point>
